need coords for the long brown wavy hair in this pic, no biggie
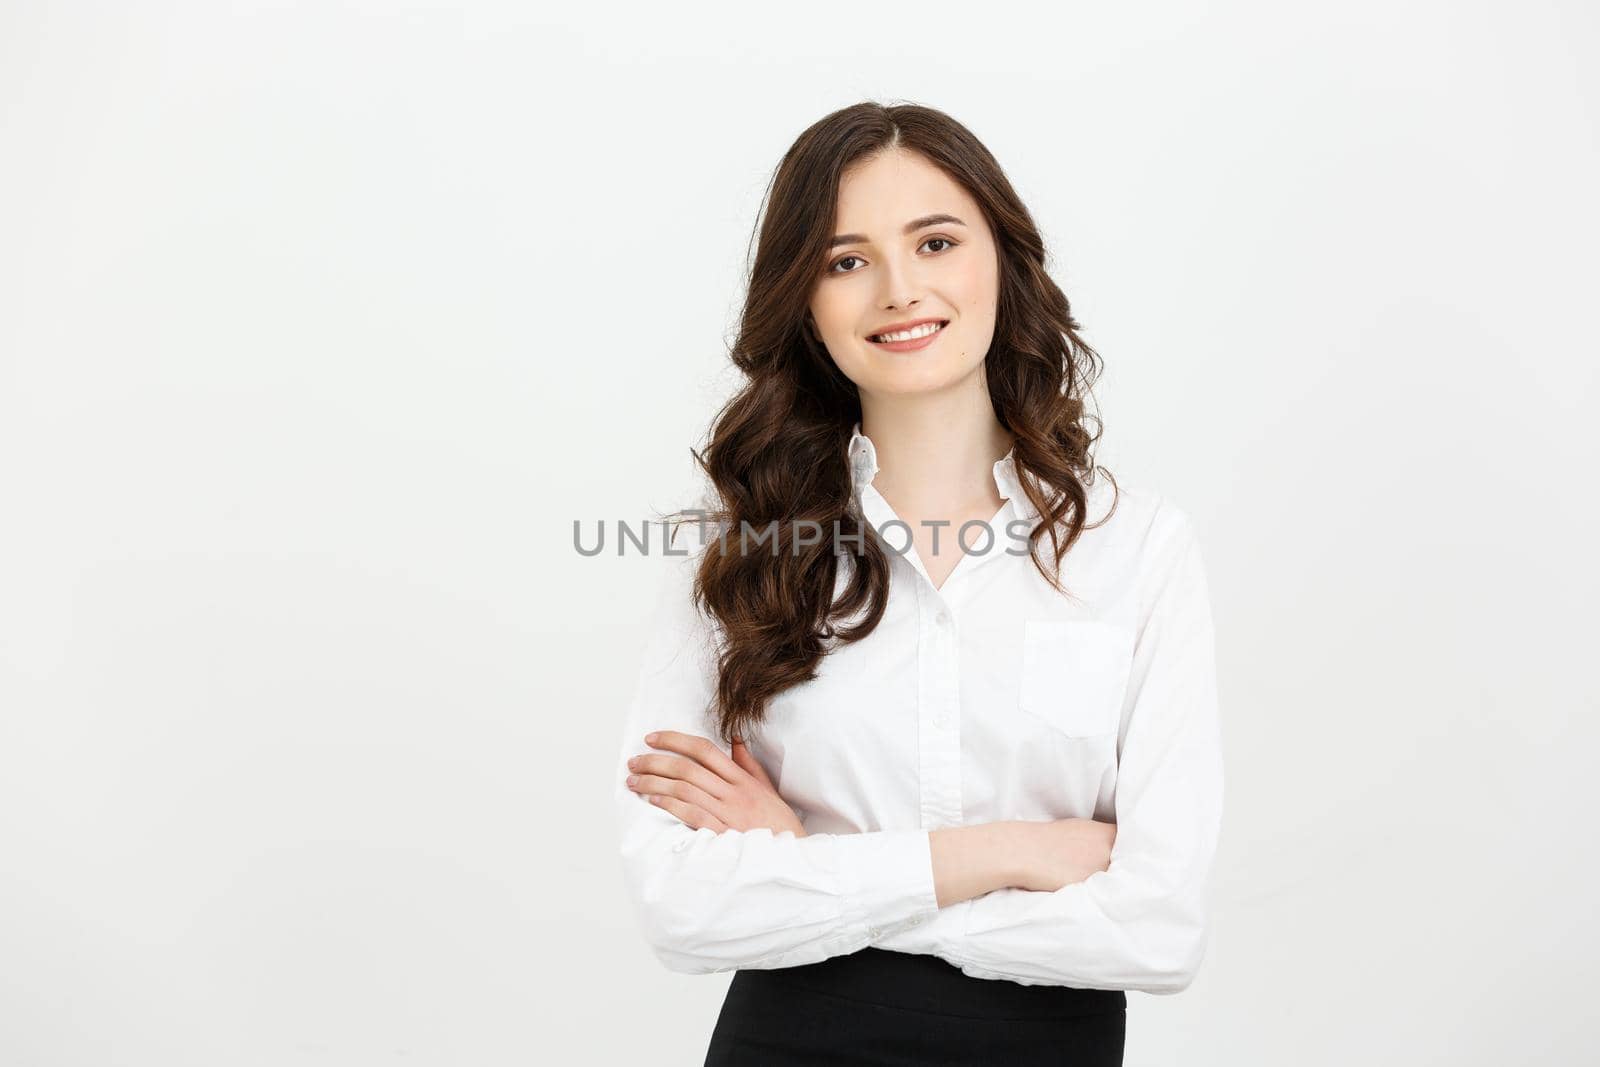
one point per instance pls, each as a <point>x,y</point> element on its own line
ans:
<point>777,451</point>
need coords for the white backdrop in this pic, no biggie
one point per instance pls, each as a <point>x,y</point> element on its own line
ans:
<point>320,324</point>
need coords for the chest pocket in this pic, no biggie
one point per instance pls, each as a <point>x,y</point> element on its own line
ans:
<point>1075,673</point>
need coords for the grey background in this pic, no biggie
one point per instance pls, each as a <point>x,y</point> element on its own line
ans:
<point>324,322</point>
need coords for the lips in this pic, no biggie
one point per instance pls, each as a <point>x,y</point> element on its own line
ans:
<point>913,345</point>
<point>900,327</point>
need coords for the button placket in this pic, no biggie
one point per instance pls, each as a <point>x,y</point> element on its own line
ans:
<point>945,646</point>
<point>939,695</point>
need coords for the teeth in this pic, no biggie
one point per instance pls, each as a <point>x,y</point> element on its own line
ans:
<point>910,335</point>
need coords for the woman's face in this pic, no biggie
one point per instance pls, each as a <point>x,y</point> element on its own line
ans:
<point>880,273</point>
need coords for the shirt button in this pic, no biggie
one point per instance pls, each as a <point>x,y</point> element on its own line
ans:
<point>680,846</point>
<point>916,922</point>
<point>941,618</point>
<point>941,721</point>
<point>874,931</point>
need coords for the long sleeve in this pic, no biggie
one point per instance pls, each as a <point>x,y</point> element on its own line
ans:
<point>1142,923</point>
<point>714,902</point>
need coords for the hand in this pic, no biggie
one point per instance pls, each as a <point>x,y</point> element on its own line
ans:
<point>1063,851</point>
<point>703,787</point>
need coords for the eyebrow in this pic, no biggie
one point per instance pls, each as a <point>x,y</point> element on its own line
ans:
<point>911,227</point>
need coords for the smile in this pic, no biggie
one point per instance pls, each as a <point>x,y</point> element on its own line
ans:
<point>912,339</point>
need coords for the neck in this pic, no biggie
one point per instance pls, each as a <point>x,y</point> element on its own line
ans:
<point>935,456</point>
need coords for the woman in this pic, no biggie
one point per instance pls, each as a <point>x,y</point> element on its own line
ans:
<point>925,745</point>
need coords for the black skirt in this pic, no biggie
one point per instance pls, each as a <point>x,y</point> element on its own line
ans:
<point>880,1007</point>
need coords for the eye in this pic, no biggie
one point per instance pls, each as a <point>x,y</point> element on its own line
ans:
<point>833,267</point>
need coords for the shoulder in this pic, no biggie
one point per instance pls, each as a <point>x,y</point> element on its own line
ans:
<point>1138,516</point>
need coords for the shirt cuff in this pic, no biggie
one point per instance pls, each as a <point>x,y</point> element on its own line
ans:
<point>887,878</point>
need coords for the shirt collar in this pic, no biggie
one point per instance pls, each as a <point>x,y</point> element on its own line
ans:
<point>864,467</point>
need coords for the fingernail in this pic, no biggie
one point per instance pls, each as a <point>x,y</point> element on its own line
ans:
<point>633,779</point>
<point>650,739</point>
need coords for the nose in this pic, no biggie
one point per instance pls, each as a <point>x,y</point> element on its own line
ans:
<point>901,288</point>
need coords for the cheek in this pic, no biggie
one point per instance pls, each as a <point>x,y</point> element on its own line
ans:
<point>828,310</point>
<point>977,290</point>
<point>836,319</point>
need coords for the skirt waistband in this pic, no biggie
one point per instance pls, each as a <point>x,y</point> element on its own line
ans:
<point>931,984</point>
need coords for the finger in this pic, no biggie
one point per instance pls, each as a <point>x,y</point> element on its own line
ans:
<point>742,756</point>
<point>700,749</point>
<point>653,785</point>
<point>665,766</point>
<point>688,814</point>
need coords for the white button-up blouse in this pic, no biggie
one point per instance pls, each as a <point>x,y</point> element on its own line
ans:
<point>993,697</point>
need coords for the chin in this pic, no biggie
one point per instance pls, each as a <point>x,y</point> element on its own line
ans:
<point>908,378</point>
